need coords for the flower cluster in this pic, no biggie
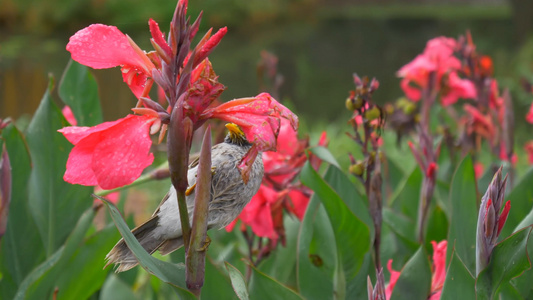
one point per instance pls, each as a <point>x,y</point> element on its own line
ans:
<point>114,154</point>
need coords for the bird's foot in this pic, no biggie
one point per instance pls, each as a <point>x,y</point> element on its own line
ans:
<point>190,190</point>
<point>206,244</point>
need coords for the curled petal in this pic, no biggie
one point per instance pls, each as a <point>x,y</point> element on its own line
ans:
<point>111,154</point>
<point>100,46</point>
<point>394,275</point>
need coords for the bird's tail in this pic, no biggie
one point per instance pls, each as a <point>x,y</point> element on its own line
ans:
<point>124,258</point>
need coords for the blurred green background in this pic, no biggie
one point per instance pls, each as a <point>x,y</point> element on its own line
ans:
<point>319,44</point>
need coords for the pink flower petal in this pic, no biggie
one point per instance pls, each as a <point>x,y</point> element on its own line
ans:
<point>394,275</point>
<point>458,88</point>
<point>209,45</point>
<point>439,265</point>
<point>100,46</point>
<point>529,150</point>
<point>299,203</point>
<point>258,214</point>
<point>529,116</point>
<point>69,115</point>
<point>159,37</point>
<point>111,154</point>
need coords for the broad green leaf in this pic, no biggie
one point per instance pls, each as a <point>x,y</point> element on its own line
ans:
<point>508,292</point>
<point>415,279</point>
<point>237,281</point>
<point>459,283</point>
<point>262,287</point>
<point>116,289</point>
<point>324,154</point>
<point>21,231</point>
<point>405,199</point>
<point>43,279</point>
<point>399,224</point>
<point>83,275</point>
<point>393,176</point>
<point>509,259</point>
<point>349,195</point>
<point>55,205</point>
<point>217,284</point>
<point>282,265</point>
<point>78,89</point>
<point>437,225</point>
<point>168,272</point>
<point>316,263</point>
<point>351,234</point>
<point>463,224</point>
<point>521,197</point>
<point>356,288</point>
<point>523,282</point>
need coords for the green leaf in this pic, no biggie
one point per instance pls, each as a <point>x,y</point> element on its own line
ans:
<point>42,280</point>
<point>459,283</point>
<point>508,292</point>
<point>349,195</point>
<point>316,263</point>
<point>78,89</point>
<point>405,199</point>
<point>415,278</point>
<point>170,273</point>
<point>282,265</point>
<point>509,259</point>
<point>83,274</point>
<point>324,154</point>
<point>21,231</point>
<point>399,224</point>
<point>351,234</point>
<point>237,281</point>
<point>55,205</point>
<point>116,289</point>
<point>521,197</point>
<point>217,285</point>
<point>265,287</point>
<point>523,282</point>
<point>462,232</point>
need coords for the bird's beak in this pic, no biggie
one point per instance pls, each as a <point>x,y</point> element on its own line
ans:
<point>235,129</point>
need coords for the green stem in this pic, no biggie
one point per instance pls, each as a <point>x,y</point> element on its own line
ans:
<point>195,259</point>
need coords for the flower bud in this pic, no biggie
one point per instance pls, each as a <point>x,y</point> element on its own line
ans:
<point>372,113</point>
<point>357,169</point>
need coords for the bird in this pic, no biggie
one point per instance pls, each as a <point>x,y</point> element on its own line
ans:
<point>229,195</point>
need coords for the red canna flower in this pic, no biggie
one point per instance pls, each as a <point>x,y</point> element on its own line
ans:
<point>438,270</point>
<point>436,59</point>
<point>479,168</point>
<point>111,154</point>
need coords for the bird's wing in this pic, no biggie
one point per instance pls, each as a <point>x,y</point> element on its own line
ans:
<point>160,204</point>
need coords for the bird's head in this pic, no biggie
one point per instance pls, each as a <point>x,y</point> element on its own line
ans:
<point>236,136</point>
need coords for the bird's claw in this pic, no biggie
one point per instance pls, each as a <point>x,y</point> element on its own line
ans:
<point>206,244</point>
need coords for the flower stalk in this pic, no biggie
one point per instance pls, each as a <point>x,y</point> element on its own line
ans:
<point>195,258</point>
<point>490,220</point>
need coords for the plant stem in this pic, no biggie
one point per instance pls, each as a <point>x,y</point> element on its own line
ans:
<point>195,258</point>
